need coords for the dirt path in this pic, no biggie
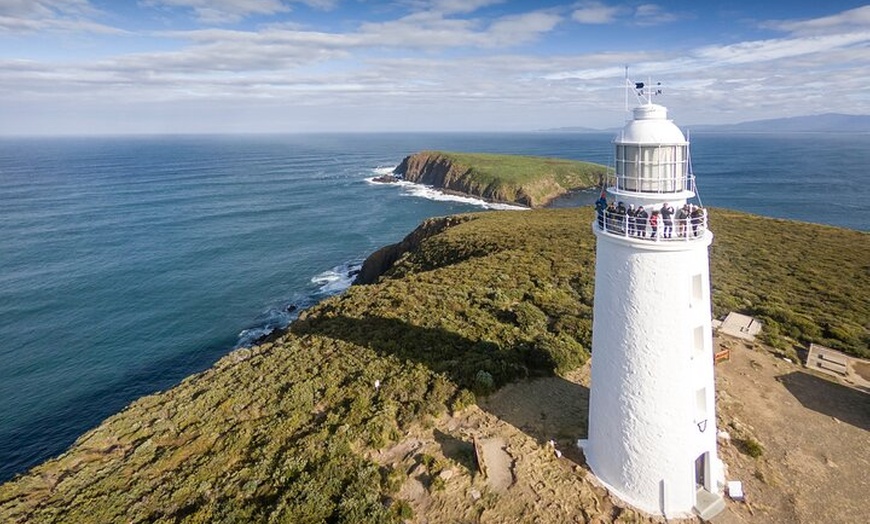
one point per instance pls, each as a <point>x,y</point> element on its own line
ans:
<point>813,465</point>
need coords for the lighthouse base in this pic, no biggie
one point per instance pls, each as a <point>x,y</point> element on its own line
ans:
<point>707,504</point>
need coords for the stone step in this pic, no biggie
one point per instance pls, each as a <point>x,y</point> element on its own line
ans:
<point>708,505</point>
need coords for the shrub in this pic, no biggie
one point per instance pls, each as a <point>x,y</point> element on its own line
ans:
<point>749,446</point>
<point>483,383</point>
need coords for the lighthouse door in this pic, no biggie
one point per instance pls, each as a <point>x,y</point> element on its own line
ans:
<point>701,471</point>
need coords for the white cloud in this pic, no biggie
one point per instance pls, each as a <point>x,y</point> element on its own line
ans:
<point>230,11</point>
<point>853,19</point>
<point>224,11</point>
<point>45,8</point>
<point>653,14</point>
<point>431,30</point>
<point>596,13</point>
<point>34,16</point>
<point>523,28</point>
<point>778,49</point>
<point>419,64</point>
<point>599,13</point>
<point>449,7</point>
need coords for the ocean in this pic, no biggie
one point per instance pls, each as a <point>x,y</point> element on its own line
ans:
<point>129,263</point>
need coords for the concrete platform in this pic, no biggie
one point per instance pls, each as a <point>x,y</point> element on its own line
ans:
<point>740,326</point>
<point>708,505</point>
<point>850,370</point>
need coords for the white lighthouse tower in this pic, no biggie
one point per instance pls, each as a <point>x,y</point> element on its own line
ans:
<point>652,420</point>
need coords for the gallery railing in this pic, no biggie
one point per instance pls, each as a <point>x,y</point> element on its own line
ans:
<point>674,230</point>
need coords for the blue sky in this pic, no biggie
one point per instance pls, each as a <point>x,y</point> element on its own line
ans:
<point>231,66</point>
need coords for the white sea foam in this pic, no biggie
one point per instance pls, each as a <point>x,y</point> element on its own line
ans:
<point>384,170</point>
<point>330,282</point>
<point>337,279</point>
<point>433,193</point>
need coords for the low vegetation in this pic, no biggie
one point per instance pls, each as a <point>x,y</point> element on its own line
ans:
<point>281,432</point>
<point>519,170</point>
<point>805,282</point>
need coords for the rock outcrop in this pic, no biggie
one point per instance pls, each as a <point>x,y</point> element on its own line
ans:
<point>383,259</point>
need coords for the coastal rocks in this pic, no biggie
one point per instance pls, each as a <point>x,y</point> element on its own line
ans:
<point>387,179</point>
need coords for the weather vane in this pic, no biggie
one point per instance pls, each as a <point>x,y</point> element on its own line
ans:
<point>644,91</point>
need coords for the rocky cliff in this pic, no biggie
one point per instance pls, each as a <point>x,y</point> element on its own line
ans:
<point>384,258</point>
<point>487,177</point>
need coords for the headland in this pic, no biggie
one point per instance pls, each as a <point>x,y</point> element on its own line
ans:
<point>509,179</point>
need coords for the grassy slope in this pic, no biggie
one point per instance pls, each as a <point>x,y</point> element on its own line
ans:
<point>806,282</point>
<point>515,169</point>
<point>279,432</point>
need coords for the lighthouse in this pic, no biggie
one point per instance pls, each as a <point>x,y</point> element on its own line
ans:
<point>652,420</point>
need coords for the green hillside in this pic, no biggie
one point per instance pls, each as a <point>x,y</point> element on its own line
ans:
<point>520,170</point>
<point>282,432</point>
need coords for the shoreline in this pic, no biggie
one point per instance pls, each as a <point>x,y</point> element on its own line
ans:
<point>577,197</point>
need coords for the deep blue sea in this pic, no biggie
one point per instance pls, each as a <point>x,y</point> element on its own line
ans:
<point>127,264</point>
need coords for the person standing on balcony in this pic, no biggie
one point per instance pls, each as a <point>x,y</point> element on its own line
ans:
<point>610,217</point>
<point>683,221</point>
<point>667,220</point>
<point>620,216</point>
<point>600,206</point>
<point>640,220</point>
<point>654,224</point>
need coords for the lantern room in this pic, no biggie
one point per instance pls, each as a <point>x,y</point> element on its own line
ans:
<point>651,155</point>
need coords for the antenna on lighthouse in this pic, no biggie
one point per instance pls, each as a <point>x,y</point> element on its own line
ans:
<point>645,91</point>
<point>627,87</point>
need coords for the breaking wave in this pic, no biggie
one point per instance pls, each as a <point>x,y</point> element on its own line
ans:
<point>432,193</point>
<point>328,283</point>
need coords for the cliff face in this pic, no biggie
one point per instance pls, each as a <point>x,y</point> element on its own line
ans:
<point>384,258</point>
<point>440,170</point>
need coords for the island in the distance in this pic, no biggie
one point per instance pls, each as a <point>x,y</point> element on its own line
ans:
<point>510,179</point>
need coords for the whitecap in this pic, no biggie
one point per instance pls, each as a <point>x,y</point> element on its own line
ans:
<point>274,318</point>
<point>337,279</point>
<point>330,282</point>
<point>384,170</point>
<point>433,193</point>
<point>378,172</point>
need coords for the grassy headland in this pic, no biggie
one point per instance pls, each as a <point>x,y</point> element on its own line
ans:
<point>282,432</point>
<point>526,180</point>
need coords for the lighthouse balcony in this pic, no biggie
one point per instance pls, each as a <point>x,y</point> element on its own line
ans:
<point>676,230</point>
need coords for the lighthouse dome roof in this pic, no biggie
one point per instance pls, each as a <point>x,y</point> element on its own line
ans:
<point>651,126</point>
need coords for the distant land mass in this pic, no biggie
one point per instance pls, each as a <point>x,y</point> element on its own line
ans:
<point>824,123</point>
<point>513,179</point>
